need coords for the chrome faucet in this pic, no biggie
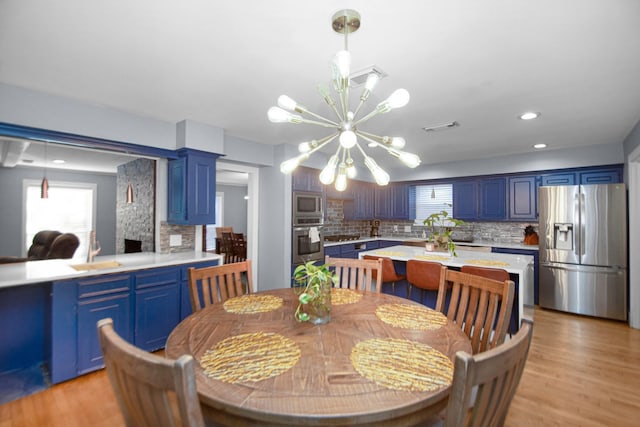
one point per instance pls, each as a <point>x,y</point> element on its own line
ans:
<point>94,247</point>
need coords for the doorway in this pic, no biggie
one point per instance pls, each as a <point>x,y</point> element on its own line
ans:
<point>241,175</point>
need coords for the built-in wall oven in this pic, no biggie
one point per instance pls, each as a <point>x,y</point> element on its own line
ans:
<point>308,244</point>
<point>307,217</point>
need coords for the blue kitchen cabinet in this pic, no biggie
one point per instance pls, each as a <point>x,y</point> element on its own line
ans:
<point>157,306</point>
<point>306,179</point>
<point>392,201</point>
<point>77,305</point>
<point>465,200</point>
<point>332,251</point>
<point>191,193</point>
<point>493,199</point>
<point>523,198</point>
<point>388,243</point>
<point>604,176</point>
<point>363,204</point>
<point>560,178</point>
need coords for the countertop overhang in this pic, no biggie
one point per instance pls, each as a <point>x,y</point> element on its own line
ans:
<point>418,239</point>
<point>30,272</point>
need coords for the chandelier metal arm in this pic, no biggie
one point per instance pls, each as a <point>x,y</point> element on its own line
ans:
<point>375,112</point>
<point>315,122</point>
<point>324,119</point>
<point>324,141</point>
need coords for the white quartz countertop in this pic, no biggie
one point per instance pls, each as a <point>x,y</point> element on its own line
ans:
<point>513,263</point>
<point>24,273</point>
<point>458,244</point>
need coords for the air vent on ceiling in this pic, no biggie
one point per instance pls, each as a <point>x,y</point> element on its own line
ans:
<point>442,126</point>
<point>358,78</point>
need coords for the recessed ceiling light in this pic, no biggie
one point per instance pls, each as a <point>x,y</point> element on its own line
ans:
<point>58,161</point>
<point>529,116</point>
<point>539,146</point>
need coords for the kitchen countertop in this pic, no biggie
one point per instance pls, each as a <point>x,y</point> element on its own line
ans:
<point>418,239</point>
<point>25,273</point>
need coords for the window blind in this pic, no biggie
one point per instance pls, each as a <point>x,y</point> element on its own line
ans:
<point>432,198</point>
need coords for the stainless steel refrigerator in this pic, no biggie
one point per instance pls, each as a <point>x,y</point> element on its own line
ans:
<point>583,249</point>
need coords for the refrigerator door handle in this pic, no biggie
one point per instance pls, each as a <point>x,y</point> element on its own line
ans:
<point>579,268</point>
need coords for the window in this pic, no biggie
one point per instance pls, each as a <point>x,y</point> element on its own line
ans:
<point>431,199</point>
<point>70,208</point>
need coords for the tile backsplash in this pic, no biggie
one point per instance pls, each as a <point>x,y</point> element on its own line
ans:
<point>499,232</point>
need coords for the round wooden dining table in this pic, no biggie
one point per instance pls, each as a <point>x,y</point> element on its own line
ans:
<point>380,360</point>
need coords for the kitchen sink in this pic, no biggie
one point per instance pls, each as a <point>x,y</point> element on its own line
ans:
<point>96,265</point>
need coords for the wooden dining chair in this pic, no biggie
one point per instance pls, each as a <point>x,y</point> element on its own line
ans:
<point>389,273</point>
<point>357,274</point>
<point>151,390</point>
<point>479,305</point>
<point>501,275</point>
<point>484,384</point>
<point>210,285</point>
<point>425,275</point>
<point>239,246</point>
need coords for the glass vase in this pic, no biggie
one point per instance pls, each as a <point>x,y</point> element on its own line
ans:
<point>319,309</point>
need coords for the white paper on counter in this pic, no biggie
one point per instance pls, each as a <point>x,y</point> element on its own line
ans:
<point>314,235</point>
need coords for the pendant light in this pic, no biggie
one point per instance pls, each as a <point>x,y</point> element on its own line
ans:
<point>129,193</point>
<point>44,185</point>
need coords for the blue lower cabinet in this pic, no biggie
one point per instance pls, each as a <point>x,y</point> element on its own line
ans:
<point>90,311</point>
<point>332,251</point>
<point>76,308</point>
<point>157,311</point>
<point>145,305</point>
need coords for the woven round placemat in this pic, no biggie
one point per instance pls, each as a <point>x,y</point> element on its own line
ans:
<point>433,257</point>
<point>388,253</point>
<point>249,304</point>
<point>487,262</point>
<point>341,296</point>
<point>409,316</point>
<point>402,364</point>
<point>250,357</point>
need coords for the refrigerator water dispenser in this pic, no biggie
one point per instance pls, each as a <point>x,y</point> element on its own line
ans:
<point>563,236</point>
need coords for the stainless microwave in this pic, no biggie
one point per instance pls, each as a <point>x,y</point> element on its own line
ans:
<point>307,208</point>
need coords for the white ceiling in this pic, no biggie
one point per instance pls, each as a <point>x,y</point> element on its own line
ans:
<point>481,63</point>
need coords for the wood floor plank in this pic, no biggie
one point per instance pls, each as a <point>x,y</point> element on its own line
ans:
<point>581,371</point>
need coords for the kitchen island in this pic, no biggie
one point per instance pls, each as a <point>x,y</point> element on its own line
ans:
<point>520,267</point>
<point>49,311</point>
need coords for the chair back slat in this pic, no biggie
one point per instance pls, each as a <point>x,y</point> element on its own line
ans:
<point>495,375</point>
<point>210,285</point>
<point>151,390</point>
<point>479,305</point>
<point>357,274</point>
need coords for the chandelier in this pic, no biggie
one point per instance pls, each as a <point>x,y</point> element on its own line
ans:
<point>347,125</point>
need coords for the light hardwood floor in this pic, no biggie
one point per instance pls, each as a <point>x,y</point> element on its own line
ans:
<point>580,372</point>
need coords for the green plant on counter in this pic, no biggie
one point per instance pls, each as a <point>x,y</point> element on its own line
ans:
<point>440,228</point>
<point>313,284</point>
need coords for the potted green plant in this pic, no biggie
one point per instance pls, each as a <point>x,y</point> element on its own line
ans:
<point>441,226</point>
<point>313,284</point>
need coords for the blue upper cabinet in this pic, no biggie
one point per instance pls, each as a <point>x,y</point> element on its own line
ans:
<point>306,179</point>
<point>192,188</point>
<point>523,194</point>
<point>392,201</point>
<point>563,178</point>
<point>493,202</point>
<point>604,176</point>
<point>465,200</point>
<point>363,204</point>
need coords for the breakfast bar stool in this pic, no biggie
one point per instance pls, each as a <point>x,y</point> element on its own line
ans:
<point>389,273</point>
<point>425,275</point>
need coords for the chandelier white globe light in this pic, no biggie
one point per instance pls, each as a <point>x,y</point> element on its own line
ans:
<point>347,125</point>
